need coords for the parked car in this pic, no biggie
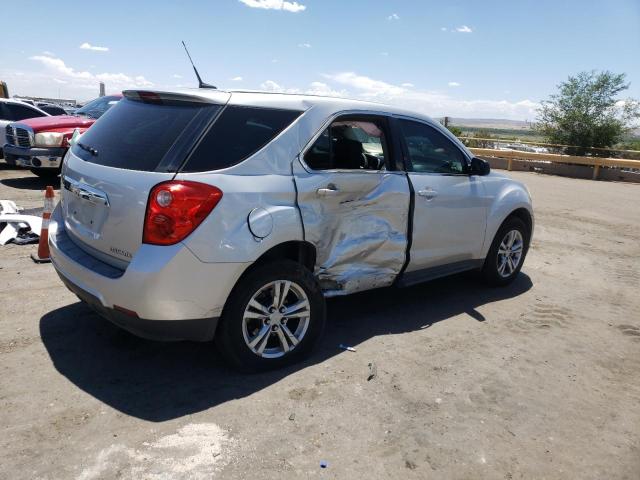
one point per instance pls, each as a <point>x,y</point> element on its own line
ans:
<point>12,110</point>
<point>40,144</point>
<point>190,213</point>
<point>52,109</point>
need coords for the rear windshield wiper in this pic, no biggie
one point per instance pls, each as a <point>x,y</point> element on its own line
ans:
<point>87,148</point>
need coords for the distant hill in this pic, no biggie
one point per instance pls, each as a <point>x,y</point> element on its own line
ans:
<point>501,123</point>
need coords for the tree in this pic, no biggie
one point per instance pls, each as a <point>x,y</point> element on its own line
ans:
<point>455,130</point>
<point>483,135</point>
<point>587,113</point>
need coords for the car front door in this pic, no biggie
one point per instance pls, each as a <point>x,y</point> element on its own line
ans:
<point>354,204</point>
<point>449,216</point>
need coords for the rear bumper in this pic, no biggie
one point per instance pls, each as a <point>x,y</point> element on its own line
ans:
<point>199,329</point>
<point>174,295</point>
<point>34,157</point>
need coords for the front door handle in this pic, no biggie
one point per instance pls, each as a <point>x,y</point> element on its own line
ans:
<point>330,189</point>
<point>428,193</point>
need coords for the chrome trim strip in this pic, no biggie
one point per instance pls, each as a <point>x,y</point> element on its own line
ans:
<point>85,192</point>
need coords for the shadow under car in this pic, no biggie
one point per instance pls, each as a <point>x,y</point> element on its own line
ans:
<point>159,381</point>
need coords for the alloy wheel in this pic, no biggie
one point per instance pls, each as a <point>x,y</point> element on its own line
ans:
<point>510,253</point>
<point>276,319</point>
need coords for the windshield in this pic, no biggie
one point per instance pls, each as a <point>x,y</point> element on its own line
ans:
<point>95,108</point>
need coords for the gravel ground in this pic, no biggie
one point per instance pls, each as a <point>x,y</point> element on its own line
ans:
<point>537,380</point>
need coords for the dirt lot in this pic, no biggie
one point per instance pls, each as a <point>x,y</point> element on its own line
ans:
<point>538,380</point>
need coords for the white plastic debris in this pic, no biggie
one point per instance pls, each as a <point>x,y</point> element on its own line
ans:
<point>15,224</point>
<point>8,206</point>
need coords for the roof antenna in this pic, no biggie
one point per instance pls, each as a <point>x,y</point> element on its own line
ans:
<point>201,84</point>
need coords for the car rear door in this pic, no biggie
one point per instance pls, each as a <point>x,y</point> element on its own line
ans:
<point>449,217</point>
<point>354,204</point>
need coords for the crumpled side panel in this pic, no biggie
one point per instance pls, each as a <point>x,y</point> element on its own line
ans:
<point>360,234</point>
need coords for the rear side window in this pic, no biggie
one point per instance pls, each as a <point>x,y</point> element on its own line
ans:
<point>135,135</point>
<point>236,135</point>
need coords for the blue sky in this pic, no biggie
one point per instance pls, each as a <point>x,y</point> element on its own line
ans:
<point>482,59</point>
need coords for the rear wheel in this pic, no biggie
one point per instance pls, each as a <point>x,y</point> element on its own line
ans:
<point>274,317</point>
<point>46,172</point>
<point>507,252</point>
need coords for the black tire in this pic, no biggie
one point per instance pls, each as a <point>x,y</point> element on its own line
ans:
<point>46,172</point>
<point>490,271</point>
<point>229,337</point>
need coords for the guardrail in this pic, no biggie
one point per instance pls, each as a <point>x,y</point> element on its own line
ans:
<point>466,140</point>
<point>595,162</point>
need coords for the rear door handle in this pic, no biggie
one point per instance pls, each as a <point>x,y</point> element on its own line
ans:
<point>428,193</point>
<point>328,190</point>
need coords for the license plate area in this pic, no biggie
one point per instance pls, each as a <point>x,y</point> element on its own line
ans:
<point>86,208</point>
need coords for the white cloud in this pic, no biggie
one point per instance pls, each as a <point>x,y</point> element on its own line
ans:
<point>368,87</point>
<point>293,7</point>
<point>454,84</point>
<point>444,29</point>
<point>393,16</point>
<point>48,53</point>
<point>407,85</point>
<point>314,88</point>
<point>463,29</point>
<point>175,75</point>
<point>88,46</point>
<point>271,86</point>
<point>432,103</point>
<point>384,54</point>
<point>236,79</point>
<point>320,88</point>
<point>86,79</point>
<point>59,66</point>
<point>304,45</point>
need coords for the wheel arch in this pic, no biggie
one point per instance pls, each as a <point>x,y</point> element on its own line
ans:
<point>524,215</point>
<point>299,251</point>
<point>513,201</point>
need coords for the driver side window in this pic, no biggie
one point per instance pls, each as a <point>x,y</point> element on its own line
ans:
<point>429,151</point>
<point>349,144</point>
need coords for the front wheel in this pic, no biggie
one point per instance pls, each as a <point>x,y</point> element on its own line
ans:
<point>507,252</point>
<point>274,317</point>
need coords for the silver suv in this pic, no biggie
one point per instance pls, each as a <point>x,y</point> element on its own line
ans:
<point>190,213</point>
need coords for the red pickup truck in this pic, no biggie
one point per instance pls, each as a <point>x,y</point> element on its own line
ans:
<point>40,144</point>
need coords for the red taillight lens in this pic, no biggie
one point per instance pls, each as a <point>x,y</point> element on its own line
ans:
<point>176,208</point>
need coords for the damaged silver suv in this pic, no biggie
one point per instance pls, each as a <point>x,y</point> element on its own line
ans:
<point>204,214</point>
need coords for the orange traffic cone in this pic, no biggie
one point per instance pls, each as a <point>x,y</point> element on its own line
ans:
<point>43,244</point>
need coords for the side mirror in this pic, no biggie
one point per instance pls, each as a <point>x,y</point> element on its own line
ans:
<point>479,167</point>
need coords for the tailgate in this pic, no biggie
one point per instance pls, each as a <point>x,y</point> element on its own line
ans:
<point>109,172</point>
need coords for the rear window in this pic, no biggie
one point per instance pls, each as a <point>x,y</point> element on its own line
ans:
<point>135,135</point>
<point>236,135</point>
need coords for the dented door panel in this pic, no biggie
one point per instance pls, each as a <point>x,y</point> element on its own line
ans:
<point>357,221</point>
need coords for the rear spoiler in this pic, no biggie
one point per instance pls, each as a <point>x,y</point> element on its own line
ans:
<point>168,98</point>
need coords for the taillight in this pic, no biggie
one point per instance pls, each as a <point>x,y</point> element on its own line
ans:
<point>175,209</point>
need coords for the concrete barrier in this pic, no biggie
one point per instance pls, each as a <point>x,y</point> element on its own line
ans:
<point>564,165</point>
